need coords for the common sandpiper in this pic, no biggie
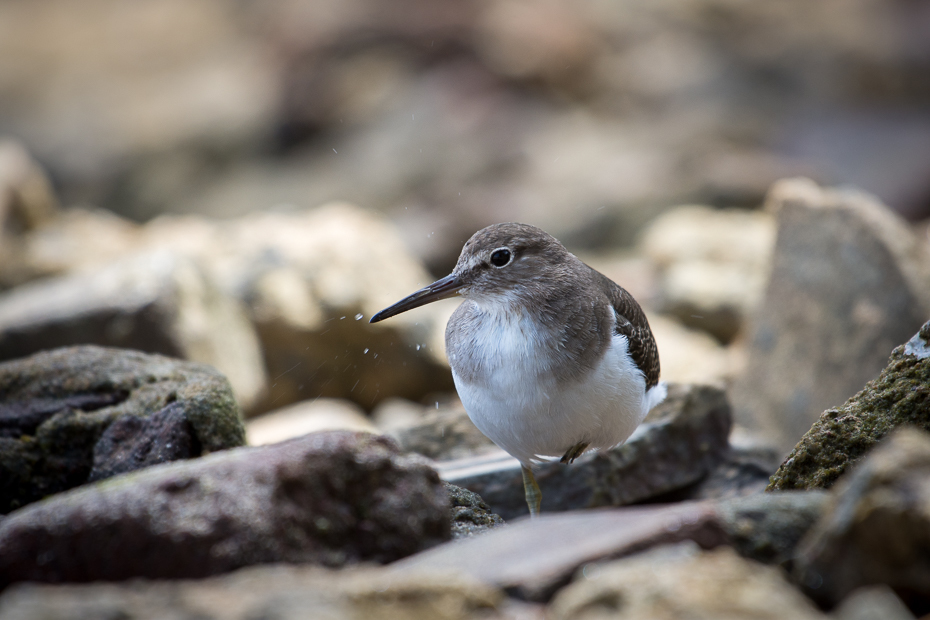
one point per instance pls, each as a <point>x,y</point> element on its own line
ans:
<point>549,357</point>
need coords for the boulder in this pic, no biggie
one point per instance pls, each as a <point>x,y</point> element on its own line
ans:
<point>281,592</point>
<point>900,396</point>
<point>157,302</point>
<point>443,433</point>
<point>682,582</point>
<point>470,514</point>
<point>309,416</point>
<point>876,527</point>
<point>679,443</point>
<point>330,498</point>
<point>533,558</point>
<point>849,282</point>
<point>74,414</point>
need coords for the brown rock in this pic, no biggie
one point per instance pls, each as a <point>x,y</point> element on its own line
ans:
<point>876,528</point>
<point>327,498</point>
<point>536,557</point>
<point>849,282</point>
<point>682,582</point>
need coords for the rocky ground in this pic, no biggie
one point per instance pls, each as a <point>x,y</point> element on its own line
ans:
<point>206,201</point>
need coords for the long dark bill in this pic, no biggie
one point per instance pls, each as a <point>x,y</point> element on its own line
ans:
<point>440,289</point>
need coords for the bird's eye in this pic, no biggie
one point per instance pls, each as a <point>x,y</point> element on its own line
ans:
<point>500,257</point>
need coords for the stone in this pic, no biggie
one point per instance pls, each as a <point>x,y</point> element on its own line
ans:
<point>533,558</point>
<point>443,434</point>
<point>714,265</point>
<point>849,282</point>
<point>682,582</point>
<point>692,356</point>
<point>311,416</point>
<point>280,591</point>
<point>679,443</point>
<point>470,514</point>
<point>744,470</point>
<point>331,498</point>
<point>154,302</point>
<point>396,413</point>
<point>768,527</point>
<point>875,528</point>
<point>71,414</point>
<point>872,603</point>
<point>900,396</point>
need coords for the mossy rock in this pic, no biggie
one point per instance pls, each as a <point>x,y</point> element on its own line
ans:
<point>56,405</point>
<point>900,396</point>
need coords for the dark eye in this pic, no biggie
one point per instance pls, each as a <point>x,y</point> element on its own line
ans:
<point>500,257</point>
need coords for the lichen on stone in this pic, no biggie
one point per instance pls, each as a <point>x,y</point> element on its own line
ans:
<point>900,396</point>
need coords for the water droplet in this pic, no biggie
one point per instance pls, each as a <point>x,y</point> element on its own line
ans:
<point>359,316</point>
<point>418,347</point>
<point>365,351</point>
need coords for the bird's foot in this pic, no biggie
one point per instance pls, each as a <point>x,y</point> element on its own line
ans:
<point>531,489</point>
<point>574,452</point>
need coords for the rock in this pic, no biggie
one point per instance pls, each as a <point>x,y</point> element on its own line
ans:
<point>470,514</point>
<point>330,498</point>
<point>534,557</point>
<point>768,527</point>
<point>681,440</point>
<point>322,414</point>
<point>875,528</point>
<point>282,592</point>
<point>396,413</point>
<point>872,603</point>
<point>849,282</point>
<point>714,265</point>
<point>444,434</point>
<point>900,396</point>
<point>744,470</point>
<point>692,356</point>
<point>682,582</point>
<point>88,412</point>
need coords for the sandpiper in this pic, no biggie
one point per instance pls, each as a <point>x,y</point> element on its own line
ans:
<point>550,357</point>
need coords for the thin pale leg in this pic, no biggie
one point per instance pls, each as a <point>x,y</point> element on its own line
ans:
<point>531,488</point>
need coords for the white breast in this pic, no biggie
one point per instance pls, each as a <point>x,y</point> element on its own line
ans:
<point>522,408</point>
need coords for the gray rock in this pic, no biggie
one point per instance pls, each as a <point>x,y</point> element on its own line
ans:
<point>534,557</point>
<point>876,528</point>
<point>744,470</point>
<point>682,582</point>
<point>444,434</point>
<point>66,412</point>
<point>900,396</point>
<point>326,498</point>
<point>872,603</point>
<point>155,302</point>
<point>470,514</point>
<point>768,527</point>
<point>680,442</point>
<point>280,592</point>
<point>849,282</point>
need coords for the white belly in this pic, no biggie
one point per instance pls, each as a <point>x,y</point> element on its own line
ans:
<point>522,408</point>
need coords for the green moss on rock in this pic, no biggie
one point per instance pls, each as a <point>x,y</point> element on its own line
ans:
<point>55,405</point>
<point>900,396</point>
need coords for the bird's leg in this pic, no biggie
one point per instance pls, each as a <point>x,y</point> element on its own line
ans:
<point>531,489</point>
<point>574,452</point>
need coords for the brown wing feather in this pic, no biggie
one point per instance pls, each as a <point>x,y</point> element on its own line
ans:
<point>632,323</point>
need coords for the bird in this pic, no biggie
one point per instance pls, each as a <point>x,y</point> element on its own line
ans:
<point>549,357</point>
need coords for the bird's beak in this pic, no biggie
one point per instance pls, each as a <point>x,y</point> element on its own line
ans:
<point>440,289</point>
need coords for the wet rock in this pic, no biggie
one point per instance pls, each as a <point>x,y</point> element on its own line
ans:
<point>900,396</point>
<point>71,414</point>
<point>470,514</point>
<point>533,558</point>
<point>682,582</point>
<point>714,265</point>
<point>327,498</point>
<point>849,282</point>
<point>322,414</point>
<point>744,470</point>
<point>680,442</point>
<point>768,527</point>
<point>875,528</point>
<point>155,302</point>
<point>444,434</point>
<point>281,592</point>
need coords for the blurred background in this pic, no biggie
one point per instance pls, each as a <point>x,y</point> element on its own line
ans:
<point>266,175</point>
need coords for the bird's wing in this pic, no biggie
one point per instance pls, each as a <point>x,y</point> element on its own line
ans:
<point>632,323</point>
